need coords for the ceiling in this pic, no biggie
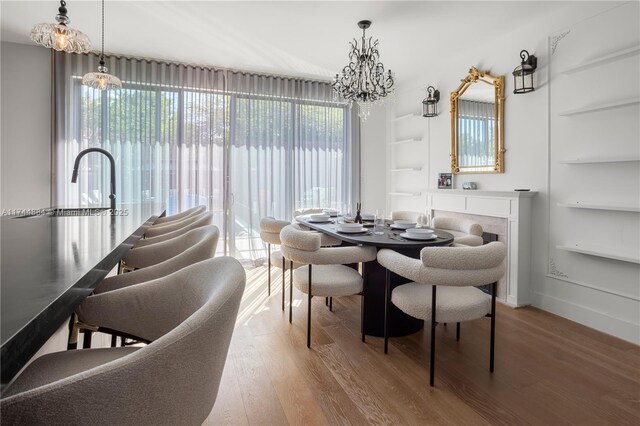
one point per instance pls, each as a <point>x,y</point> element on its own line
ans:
<point>301,38</point>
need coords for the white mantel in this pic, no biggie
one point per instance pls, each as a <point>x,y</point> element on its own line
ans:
<point>515,207</point>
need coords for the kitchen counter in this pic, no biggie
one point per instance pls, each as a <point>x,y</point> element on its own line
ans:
<point>50,263</point>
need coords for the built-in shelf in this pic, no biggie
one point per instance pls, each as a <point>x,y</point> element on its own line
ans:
<point>597,206</point>
<point>600,107</point>
<point>598,252</point>
<point>626,159</point>
<point>404,141</point>
<point>406,194</point>
<point>404,117</point>
<point>608,58</point>
<point>407,169</point>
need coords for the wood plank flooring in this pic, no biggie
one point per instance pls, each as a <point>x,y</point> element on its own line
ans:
<point>549,371</point>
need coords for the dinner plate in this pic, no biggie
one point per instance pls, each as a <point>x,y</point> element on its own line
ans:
<point>418,237</point>
<point>318,221</point>
<point>402,227</point>
<point>354,231</point>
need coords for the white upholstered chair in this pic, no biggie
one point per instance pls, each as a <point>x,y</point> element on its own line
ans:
<point>145,256</point>
<point>200,219</point>
<point>182,215</point>
<point>270,233</point>
<point>205,241</point>
<point>310,210</point>
<point>164,228</point>
<point>324,273</point>
<point>173,380</point>
<point>453,272</point>
<point>464,231</point>
<point>406,215</point>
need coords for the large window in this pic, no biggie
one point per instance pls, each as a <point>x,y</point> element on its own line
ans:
<point>246,146</point>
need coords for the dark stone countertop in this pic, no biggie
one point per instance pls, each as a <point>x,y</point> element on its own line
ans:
<point>51,263</point>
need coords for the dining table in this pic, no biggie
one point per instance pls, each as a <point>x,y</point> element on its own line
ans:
<point>52,259</point>
<point>374,274</point>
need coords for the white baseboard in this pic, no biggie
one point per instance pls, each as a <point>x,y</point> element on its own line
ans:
<point>622,329</point>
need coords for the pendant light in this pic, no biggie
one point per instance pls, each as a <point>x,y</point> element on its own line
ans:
<point>59,36</point>
<point>102,79</point>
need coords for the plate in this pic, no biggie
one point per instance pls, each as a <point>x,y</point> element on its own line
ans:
<point>419,237</point>
<point>360,231</point>
<point>318,221</point>
<point>403,227</point>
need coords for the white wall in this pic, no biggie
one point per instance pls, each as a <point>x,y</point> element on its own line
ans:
<point>526,158</point>
<point>25,137</point>
<point>373,188</point>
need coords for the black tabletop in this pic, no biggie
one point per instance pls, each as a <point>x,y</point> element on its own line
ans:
<point>390,239</point>
<point>50,264</point>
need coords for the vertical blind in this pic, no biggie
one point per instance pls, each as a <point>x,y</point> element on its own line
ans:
<point>247,144</point>
<point>476,133</point>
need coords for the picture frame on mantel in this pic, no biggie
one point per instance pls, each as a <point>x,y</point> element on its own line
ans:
<point>445,180</point>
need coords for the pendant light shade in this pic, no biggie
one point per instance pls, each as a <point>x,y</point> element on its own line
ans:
<point>59,36</point>
<point>102,80</point>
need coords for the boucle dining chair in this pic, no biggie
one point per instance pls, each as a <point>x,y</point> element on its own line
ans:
<point>182,215</point>
<point>173,380</point>
<point>464,231</point>
<point>324,273</point>
<point>142,257</point>
<point>270,233</point>
<point>406,215</point>
<point>200,219</point>
<point>205,241</point>
<point>163,228</point>
<point>453,272</point>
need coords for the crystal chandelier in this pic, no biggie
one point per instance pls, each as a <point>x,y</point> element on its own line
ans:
<point>59,36</point>
<point>102,79</point>
<point>363,80</point>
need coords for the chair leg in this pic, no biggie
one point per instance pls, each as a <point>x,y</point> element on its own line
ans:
<point>362,316</point>
<point>309,296</point>
<point>331,304</point>
<point>457,332</point>
<point>290,290</point>
<point>86,340</point>
<point>386,311</point>
<point>432,369</point>
<point>493,326</point>
<point>113,340</point>
<point>284,269</point>
<point>269,268</point>
<point>326,301</point>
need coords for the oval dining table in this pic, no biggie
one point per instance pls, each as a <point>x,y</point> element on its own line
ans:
<point>374,274</point>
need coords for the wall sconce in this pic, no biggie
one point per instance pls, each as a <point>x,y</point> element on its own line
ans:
<point>430,103</point>
<point>523,75</point>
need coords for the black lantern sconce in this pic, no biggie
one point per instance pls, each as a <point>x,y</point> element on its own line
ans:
<point>430,103</point>
<point>523,75</point>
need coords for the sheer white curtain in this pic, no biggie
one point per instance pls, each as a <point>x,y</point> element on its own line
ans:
<point>476,133</point>
<point>247,144</point>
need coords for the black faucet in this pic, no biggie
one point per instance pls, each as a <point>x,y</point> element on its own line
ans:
<point>74,176</point>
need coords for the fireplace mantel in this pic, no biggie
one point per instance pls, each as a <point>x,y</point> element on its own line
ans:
<point>515,208</point>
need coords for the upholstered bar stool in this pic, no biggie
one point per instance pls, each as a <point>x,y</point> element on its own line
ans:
<point>270,233</point>
<point>182,215</point>
<point>142,257</point>
<point>324,273</point>
<point>199,220</point>
<point>465,231</point>
<point>205,241</point>
<point>163,228</point>
<point>453,272</point>
<point>162,383</point>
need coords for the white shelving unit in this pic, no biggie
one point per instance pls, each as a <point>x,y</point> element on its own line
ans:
<point>407,169</point>
<point>600,107</point>
<point>598,206</point>
<point>597,252</point>
<point>405,116</point>
<point>403,141</point>
<point>406,194</point>
<point>600,160</point>
<point>605,59</point>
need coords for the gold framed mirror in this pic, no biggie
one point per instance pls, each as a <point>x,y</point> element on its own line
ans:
<point>477,124</point>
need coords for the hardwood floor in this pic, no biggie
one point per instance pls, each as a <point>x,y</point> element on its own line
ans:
<point>549,371</point>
